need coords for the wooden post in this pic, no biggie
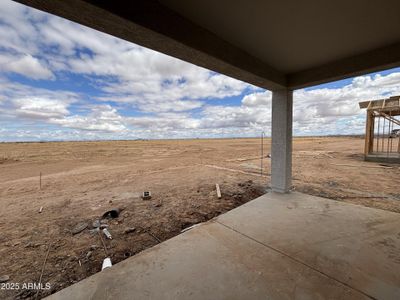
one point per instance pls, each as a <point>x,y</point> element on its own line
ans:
<point>218,191</point>
<point>372,133</point>
<point>368,133</point>
<point>398,144</point>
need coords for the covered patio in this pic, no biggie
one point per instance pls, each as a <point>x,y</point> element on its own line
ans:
<point>282,245</point>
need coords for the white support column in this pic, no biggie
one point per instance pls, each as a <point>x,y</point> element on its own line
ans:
<point>281,154</point>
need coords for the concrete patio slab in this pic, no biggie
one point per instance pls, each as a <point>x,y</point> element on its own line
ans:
<point>291,246</point>
<point>356,245</point>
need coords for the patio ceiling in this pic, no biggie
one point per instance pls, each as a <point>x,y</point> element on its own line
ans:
<point>271,44</point>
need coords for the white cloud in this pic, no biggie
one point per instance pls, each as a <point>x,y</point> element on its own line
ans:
<point>12,90</point>
<point>21,103</point>
<point>25,65</point>
<point>336,110</point>
<point>236,117</point>
<point>101,118</point>
<point>153,82</point>
<point>257,99</point>
<point>40,108</point>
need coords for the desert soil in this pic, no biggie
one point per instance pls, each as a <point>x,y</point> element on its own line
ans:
<point>83,180</point>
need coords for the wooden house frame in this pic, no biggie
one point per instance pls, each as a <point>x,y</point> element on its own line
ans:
<point>382,129</point>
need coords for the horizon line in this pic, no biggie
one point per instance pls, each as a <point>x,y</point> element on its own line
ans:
<point>172,139</point>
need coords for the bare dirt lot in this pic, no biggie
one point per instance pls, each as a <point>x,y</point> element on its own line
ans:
<point>83,180</point>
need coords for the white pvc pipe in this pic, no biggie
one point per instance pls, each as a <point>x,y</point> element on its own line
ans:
<point>106,263</point>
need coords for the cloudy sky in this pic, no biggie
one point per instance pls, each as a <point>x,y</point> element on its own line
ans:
<point>62,81</point>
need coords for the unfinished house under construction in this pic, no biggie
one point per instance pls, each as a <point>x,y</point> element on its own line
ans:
<point>382,131</point>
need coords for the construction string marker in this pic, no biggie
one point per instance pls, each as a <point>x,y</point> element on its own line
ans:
<point>43,267</point>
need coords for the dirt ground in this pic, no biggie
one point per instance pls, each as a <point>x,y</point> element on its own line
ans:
<point>82,180</point>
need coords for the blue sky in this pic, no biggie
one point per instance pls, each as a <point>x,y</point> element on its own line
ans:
<point>63,81</point>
